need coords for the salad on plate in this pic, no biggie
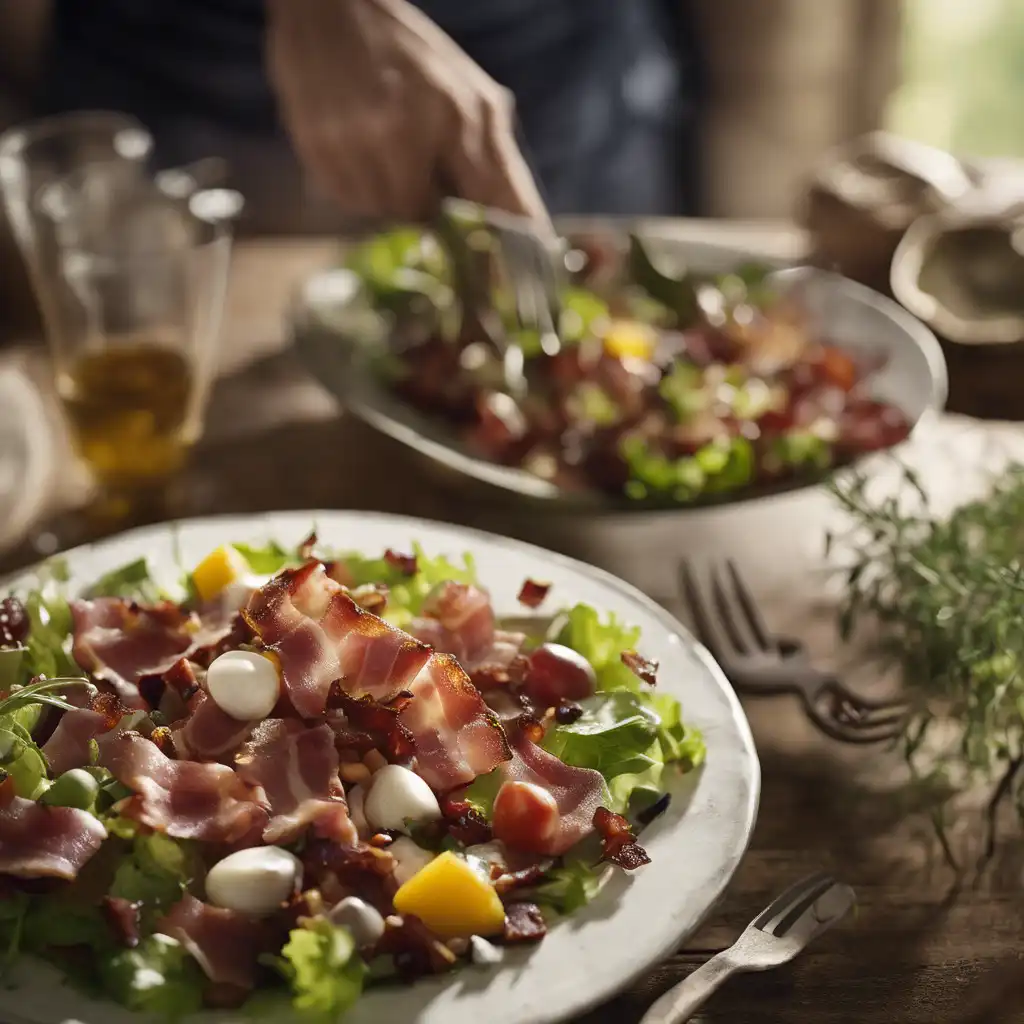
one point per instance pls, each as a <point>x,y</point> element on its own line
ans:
<point>665,388</point>
<point>294,774</point>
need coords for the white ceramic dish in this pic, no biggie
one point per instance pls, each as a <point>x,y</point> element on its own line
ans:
<point>635,921</point>
<point>334,330</point>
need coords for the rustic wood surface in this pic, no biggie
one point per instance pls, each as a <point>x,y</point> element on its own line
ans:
<point>922,949</point>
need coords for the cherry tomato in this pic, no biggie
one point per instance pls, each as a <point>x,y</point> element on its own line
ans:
<point>525,817</point>
<point>556,673</point>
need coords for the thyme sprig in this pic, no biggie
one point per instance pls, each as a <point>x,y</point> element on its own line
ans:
<point>42,691</point>
<point>948,596</point>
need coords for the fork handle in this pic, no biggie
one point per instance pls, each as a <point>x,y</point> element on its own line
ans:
<point>682,1001</point>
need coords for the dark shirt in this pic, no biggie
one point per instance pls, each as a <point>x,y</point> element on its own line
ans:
<point>597,86</point>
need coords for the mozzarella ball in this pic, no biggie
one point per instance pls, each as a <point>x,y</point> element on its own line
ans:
<point>398,796</point>
<point>409,858</point>
<point>244,685</point>
<point>254,881</point>
<point>364,923</point>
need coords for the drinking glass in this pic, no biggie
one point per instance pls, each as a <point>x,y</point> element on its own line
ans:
<point>37,154</point>
<point>134,299</point>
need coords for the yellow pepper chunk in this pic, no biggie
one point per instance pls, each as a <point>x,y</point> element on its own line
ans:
<point>219,568</point>
<point>451,899</point>
<point>630,339</point>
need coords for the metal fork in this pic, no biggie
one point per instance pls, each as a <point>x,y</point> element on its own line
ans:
<point>759,662</point>
<point>773,938</point>
<point>532,270</point>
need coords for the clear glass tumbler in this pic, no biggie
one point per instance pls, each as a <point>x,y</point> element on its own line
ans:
<point>34,155</point>
<point>134,301</point>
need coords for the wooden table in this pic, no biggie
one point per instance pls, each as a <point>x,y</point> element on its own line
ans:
<point>918,948</point>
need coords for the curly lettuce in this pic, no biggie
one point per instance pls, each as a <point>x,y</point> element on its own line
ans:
<point>323,970</point>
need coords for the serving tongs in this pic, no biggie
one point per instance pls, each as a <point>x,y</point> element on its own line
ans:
<point>533,266</point>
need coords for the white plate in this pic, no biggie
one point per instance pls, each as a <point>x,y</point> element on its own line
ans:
<point>635,921</point>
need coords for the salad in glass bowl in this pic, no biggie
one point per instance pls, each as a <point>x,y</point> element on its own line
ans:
<point>664,389</point>
<point>298,773</point>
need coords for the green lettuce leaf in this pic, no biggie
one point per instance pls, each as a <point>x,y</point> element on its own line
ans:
<point>268,559</point>
<point>406,594</point>
<point>570,886</point>
<point>612,735</point>
<point>48,643</point>
<point>155,873</point>
<point>20,758</point>
<point>323,969</point>
<point>56,920</point>
<point>602,644</point>
<point>157,976</point>
<point>133,582</point>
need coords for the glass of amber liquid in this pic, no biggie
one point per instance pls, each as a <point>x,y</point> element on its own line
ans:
<point>134,309</point>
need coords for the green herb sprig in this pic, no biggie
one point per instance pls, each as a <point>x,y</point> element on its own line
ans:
<point>43,691</point>
<point>948,596</point>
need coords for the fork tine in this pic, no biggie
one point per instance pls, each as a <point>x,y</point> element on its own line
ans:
<point>731,617</point>
<point>760,629</point>
<point>795,896</point>
<point>708,626</point>
<point>782,927</point>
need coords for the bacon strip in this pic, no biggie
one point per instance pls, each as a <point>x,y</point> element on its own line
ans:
<point>320,634</point>
<point>466,614</point>
<point>209,732</point>
<point>457,736</point>
<point>37,841</point>
<point>296,771</point>
<point>578,792</point>
<point>185,799</point>
<point>69,745</point>
<point>225,943</point>
<point>119,641</point>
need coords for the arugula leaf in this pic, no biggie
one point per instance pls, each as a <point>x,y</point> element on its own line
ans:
<point>324,971</point>
<point>133,582</point>
<point>602,644</point>
<point>157,976</point>
<point>268,559</point>
<point>406,594</point>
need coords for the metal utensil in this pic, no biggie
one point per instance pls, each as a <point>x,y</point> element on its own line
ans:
<point>773,938</point>
<point>531,270</point>
<point>760,662</point>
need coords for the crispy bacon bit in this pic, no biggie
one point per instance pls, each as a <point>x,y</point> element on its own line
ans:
<point>530,727</point>
<point>416,950</point>
<point>405,564</point>
<point>381,721</point>
<point>524,922</point>
<point>532,593</point>
<point>567,712</point>
<point>467,618</point>
<point>508,882</point>
<point>307,547</point>
<point>645,669</point>
<point>619,845</point>
<point>161,736</point>
<point>340,871</point>
<point>110,708</point>
<point>123,917</point>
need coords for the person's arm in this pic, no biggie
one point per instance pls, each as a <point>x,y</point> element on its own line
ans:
<point>389,114</point>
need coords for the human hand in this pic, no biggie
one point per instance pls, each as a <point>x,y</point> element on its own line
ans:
<point>389,115</point>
